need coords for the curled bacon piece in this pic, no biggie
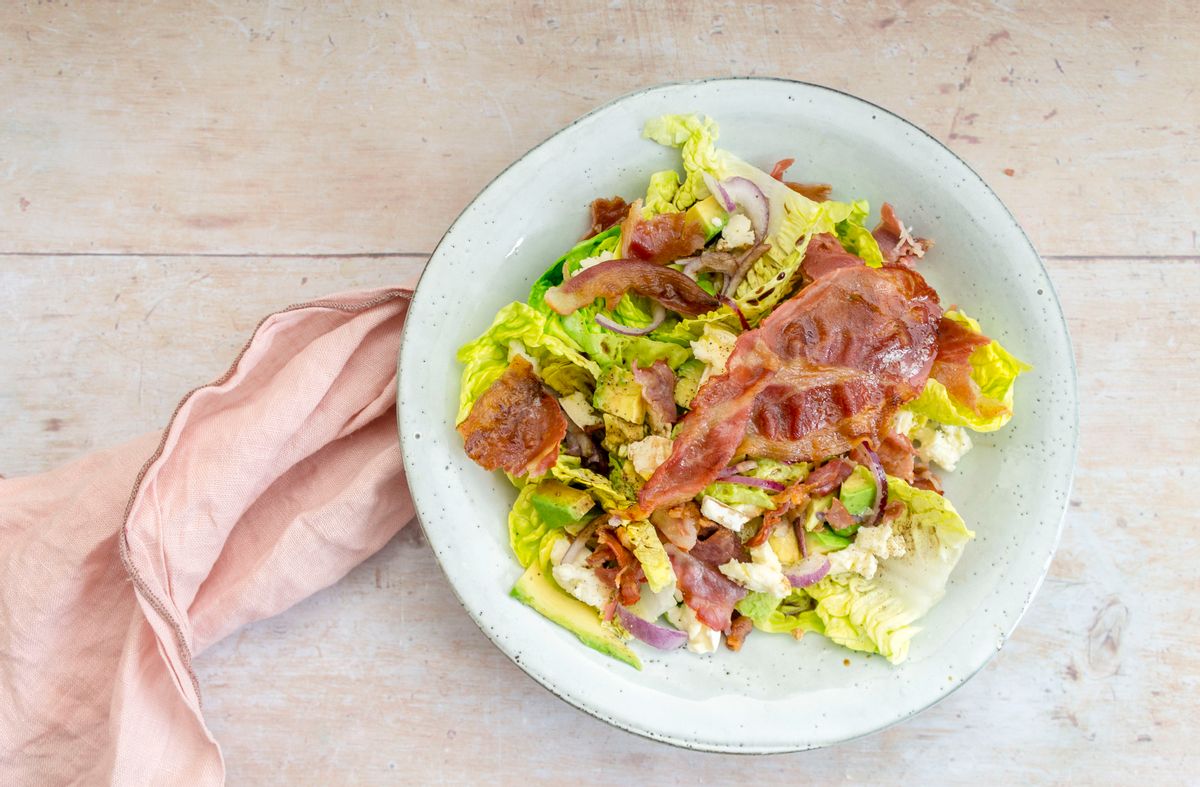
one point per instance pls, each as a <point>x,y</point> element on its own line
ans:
<point>606,213</point>
<point>894,241</point>
<point>626,576</point>
<point>739,629</point>
<point>658,390</point>
<point>838,517</point>
<point>705,589</point>
<point>817,192</point>
<point>660,239</point>
<point>613,278</point>
<point>952,368</point>
<point>516,424</point>
<point>718,547</point>
<point>897,454</point>
<point>824,372</point>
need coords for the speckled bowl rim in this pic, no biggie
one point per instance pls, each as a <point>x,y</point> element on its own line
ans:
<point>409,460</point>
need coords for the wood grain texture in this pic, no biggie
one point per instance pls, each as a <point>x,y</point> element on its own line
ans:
<point>169,171</point>
<point>160,127</point>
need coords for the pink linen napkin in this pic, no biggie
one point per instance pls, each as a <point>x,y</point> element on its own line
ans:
<point>117,570</point>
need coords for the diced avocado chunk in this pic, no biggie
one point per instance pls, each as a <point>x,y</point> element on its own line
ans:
<point>825,541</point>
<point>709,214</point>
<point>617,393</point>
<point>858,491</point>
<point>559,505</point>
<point>538,591</point>
<point>619,432</point>
<point>687,381</point>
<point>783,542</point>
<point>815,507</point>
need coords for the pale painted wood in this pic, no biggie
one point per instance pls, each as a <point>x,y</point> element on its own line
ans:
<point>178,128</point>
<point>284,127</point>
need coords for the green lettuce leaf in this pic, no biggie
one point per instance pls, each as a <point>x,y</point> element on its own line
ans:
<point>739,494</point>
<point>648,549</point>
<point>780,616</point>
<point>569,470</point>
<point>696,138</point>
<point>660,194</point>
<point>530,537</point>
<point>856,238</point>
<point>519,327</point>
<point>993,369</point>
<point>877,615</point>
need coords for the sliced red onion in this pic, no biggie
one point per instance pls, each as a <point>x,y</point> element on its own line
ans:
<point>761,483</point>
<point>732,304</point>
<point>740,467</point>
<point>752,201</point>
<point>719,192</point>
<point>653,634</point>
<point>808,571</point>
<point>881,485</point>
<point>656,319</point>
<point>801,536</point>
<point>744,264</point>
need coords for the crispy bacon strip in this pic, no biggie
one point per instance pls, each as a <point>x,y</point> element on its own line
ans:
<point>613,278</point>
<point>658,390</point>
<point>516,425</point>
<point>606,213</point>
<point>719,546</point>
<point>895,243</point>
<point>705,589</point>
<point>952,368</point>
<point>824,372</point>
<point>739,629</point>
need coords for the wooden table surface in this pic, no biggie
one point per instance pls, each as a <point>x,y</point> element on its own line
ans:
<point>169,172</point>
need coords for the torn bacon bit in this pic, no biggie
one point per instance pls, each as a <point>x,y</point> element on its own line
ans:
<point>626,576</point>
<point>739,629</point>
<point>705,589</point>
<point>817,192</point>
<point>679,524</point>
<point>719,547</point>
<point>606,213</point>
<point>658,390</point>
<point>613,278</point>
<point>923,477</point>
<point>952,367</point>
<point>896,454</point>
<point>896,244</point>
<point>838,517</point>
<point>660,239</point>
<point>516,425</point>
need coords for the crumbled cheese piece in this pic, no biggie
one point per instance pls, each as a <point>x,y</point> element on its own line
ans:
<point>763,575</point>
<point>559,550</point>
<point>713,347</point>
<point>579,410</point>
<point>941,444</point>
<point>904,422</point>
<point>603,256</point>
<point>648,453</point>
<point>738,233</point>
<point>582,583</point>
<point>871,544</point>
<point>733,517</point>
<point>701,639</point>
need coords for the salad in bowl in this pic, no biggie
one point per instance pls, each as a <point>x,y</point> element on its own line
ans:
<point>725,411</point>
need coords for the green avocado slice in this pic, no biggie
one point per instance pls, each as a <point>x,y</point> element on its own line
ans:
<point>536,590</point>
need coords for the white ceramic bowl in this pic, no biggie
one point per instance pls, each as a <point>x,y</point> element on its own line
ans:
<point>776,694</point>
